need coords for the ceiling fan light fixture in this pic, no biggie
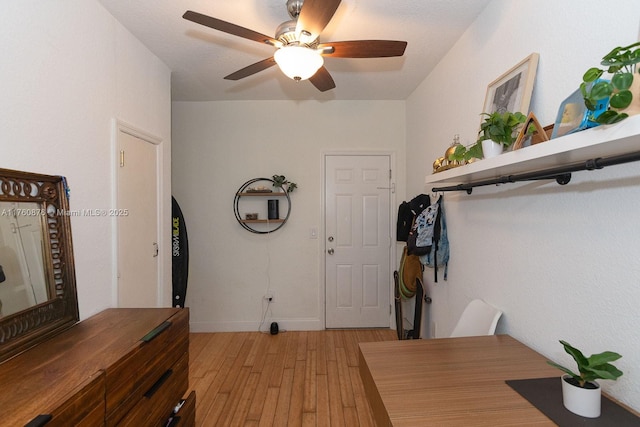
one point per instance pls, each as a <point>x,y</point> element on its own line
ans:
<point>298,62</point>
<point>299,53</point>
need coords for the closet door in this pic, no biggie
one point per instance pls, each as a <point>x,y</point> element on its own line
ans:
<point>137,216</point>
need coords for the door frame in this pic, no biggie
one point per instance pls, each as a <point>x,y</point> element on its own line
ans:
<point>392,221</point>
<point>120,126</point>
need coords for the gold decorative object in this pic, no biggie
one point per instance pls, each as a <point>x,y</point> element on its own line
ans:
<point>437,164</point>
<point>443,163</point>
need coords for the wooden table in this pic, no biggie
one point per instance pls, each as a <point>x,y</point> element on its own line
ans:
<point>451,381</point>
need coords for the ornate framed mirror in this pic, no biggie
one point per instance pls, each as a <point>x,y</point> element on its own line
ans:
<point>37,276</point>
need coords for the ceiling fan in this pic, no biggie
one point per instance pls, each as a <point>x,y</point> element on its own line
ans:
<point>299,52</point>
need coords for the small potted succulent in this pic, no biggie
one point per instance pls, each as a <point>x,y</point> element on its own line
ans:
<point>621,63</point>
<point>581,394</point>
<point>497,131</point>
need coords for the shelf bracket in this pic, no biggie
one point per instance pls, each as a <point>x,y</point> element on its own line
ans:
<point>563,179</point>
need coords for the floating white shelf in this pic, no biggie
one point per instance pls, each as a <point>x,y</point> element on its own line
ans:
<point>601,141</point>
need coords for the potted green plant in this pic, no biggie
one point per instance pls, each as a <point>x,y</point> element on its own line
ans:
<point>581,394</point>
<point>497,131</point>
<point>621,63</point>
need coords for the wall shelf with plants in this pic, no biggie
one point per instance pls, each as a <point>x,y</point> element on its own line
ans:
<point>611,96</point>
<point>619,140</point>
<point>262,214</point>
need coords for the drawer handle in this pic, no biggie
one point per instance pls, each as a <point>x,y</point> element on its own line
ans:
<point>155,387</point>
<point>40,420</point>
<point>156,331</point>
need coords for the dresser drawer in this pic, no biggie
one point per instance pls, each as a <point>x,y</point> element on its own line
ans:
<point>155,354</point>
<point>156,405</point>
<point>83,407</point>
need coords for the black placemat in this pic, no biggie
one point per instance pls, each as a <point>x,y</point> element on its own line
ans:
<point>546,395</point>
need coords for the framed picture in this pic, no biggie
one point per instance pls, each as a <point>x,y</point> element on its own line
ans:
<point>573,116</point>
<point>512,90</point>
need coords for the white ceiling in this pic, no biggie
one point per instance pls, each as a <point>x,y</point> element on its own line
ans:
<point>199,57</point>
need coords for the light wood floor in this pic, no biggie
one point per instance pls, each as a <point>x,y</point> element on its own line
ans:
<point>291,379</point>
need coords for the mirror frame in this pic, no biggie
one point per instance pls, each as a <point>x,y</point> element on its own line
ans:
<point>33,325</point>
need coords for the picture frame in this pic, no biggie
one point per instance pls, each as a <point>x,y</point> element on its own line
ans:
<point>573,115</point>
<point>513,89</point>
<point>525,139</point>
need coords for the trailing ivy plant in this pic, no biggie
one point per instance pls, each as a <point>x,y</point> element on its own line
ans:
<point>498,127</point>
<point>591,368</point>
<point>621,63</point>
<point>280,181</point>
<point>461,152</point>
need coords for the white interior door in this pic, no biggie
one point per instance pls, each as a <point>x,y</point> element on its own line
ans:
<point>24,283</point>
<point>28,235</point>
<point>357,241</point>
<point>137,216</point>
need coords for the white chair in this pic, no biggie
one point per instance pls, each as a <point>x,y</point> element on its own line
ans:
<point>478,318</point>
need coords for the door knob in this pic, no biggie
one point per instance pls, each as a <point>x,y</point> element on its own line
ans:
<point>330,251</point>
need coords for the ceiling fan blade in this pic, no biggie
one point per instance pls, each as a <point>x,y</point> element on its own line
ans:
<point>229,28</point>
<point>363,49</point>
<point>314,16</point>
<point>322,80</point>
<point>252,69</point>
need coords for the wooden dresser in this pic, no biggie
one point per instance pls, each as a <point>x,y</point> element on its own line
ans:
<point>123,366</point>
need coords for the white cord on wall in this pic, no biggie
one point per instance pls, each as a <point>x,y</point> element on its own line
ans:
<point>264,313</point>
<point>268,289</point>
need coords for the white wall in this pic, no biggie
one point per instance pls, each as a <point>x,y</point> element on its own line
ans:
<point>562,262</point>
<point>68,70</point>
<point>217,147</point>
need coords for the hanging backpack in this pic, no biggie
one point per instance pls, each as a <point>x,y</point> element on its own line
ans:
<point>407,212</point>
<point>438,256</point>
<point>421,236</point>
<point>405,218</point>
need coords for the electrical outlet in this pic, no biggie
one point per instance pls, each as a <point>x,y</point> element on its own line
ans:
<point>269,297</point>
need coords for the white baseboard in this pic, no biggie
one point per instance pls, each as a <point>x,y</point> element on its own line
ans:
<point>243,326</point>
